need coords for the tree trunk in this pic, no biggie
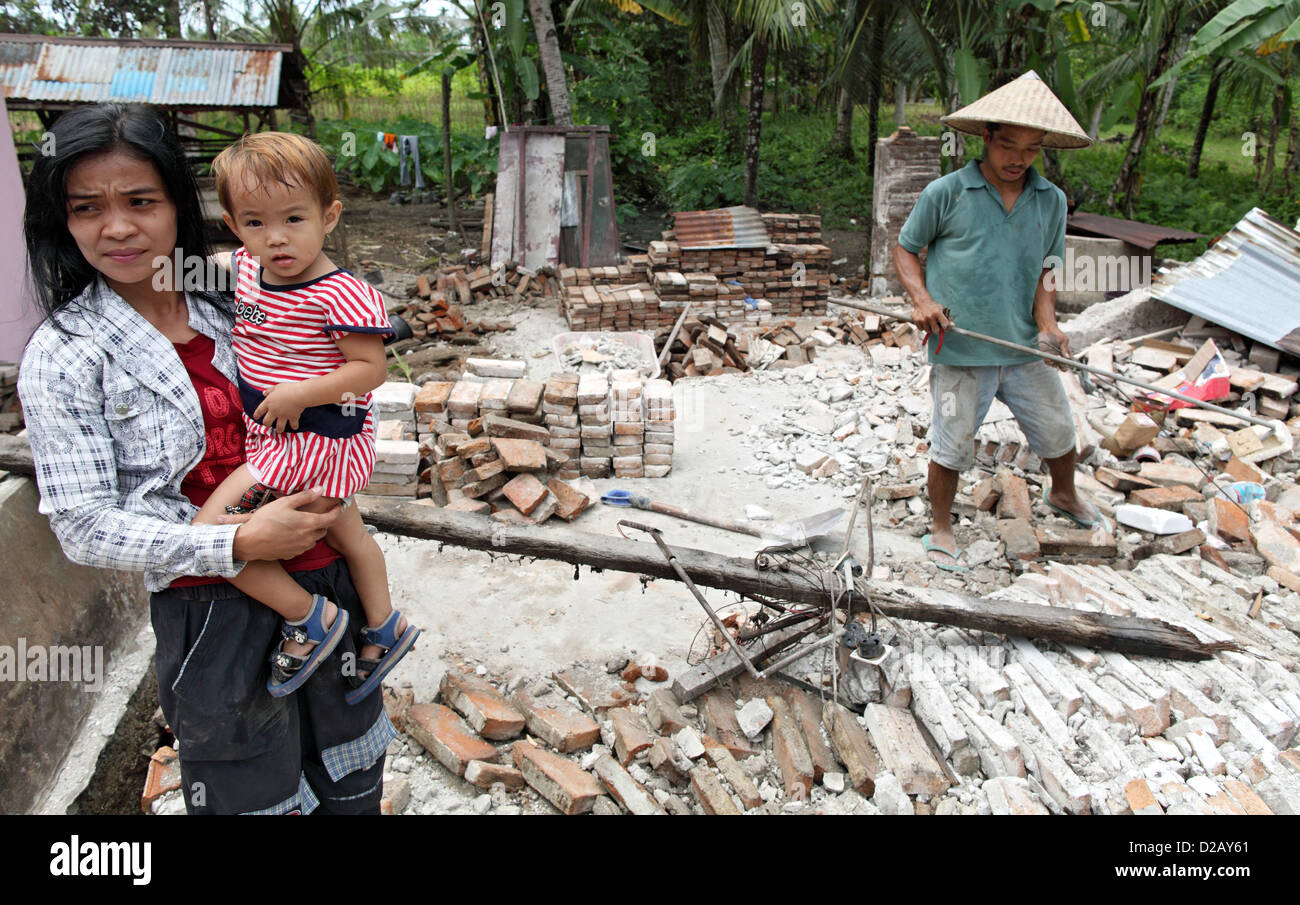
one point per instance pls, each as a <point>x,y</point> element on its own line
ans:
<point>776,84</point>
<point>1127,181</point>
<point>717,28</point>
<point>172,18</point>
<point>1094,123</point>
<point>1167,94</point>
<point>491,113</point>
<point>1203,126</point>
<point>210,19</point>
<point>452,221</point>
<point>876,89</point>
<point>757,76</point>
<point>548,47</point>
<point>1293,152</point>
<point>1128,634</point>
<point>842,137</point>
<point>900,103</point>
<point>1279,107</point>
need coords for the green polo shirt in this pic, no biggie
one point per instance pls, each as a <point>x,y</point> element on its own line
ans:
<point>984,262</point>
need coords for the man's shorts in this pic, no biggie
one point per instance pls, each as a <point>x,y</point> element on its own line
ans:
<point>961,398</point>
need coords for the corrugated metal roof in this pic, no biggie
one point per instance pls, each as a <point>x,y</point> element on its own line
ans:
<point>1143,235</point>
<point>1248,281</point>
<point>36,69</point>
<point>727,227</point>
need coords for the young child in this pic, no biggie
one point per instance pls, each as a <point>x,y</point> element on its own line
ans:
<point>308,338</point>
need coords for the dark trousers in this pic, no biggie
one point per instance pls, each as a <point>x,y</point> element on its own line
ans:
<point>242,750</point>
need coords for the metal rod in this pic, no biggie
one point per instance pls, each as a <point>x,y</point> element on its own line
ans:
<point>798,655</point>
<point>1060,359</point>
<point>686,580</point>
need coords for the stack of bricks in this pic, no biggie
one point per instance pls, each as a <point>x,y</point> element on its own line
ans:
<point>657,451</point>
<point>495,462</point>
<point>621,308</point>
<point>622,275</point>
<point>397,454</point>
<point>724,260</point>
<point>560,412</point>
<point>11,417</point>
<point>800,283</point>
<point>794,229</point>
<point>706,294</point>
<point>629,424</point>
<point>595,426</point>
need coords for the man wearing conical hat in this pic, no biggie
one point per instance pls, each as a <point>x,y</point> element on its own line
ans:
<point>989,229</point>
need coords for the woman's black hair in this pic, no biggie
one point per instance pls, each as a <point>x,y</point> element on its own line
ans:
<point>58,269</point>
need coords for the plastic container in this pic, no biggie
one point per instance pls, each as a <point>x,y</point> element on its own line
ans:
<point>1243,491</point>
<point>641,342</point>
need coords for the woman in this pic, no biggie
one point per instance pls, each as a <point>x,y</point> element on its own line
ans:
<point>129,398</point>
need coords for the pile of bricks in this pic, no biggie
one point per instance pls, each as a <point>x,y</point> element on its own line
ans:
<point>789,278</point>
<point>610,307</point>
<point>702,347</point>
<point>625,426</point>
<point>793,229</point>
<point>397,454</point>
<point>596,746</point>
<point>11,416</point>
<point>435,306</point>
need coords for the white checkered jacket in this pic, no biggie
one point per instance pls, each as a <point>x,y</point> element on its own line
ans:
<point>115,425</point>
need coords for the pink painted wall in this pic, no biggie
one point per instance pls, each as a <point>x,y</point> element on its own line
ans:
<point>18,312</point>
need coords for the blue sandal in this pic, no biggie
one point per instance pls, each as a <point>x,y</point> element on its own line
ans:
<point>395,648</point>
<point>288,671</point>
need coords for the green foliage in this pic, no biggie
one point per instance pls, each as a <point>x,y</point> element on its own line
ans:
<point>795,173</point>
<point>473,158</point>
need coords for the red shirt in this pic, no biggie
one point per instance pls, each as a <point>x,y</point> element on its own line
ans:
<point>223,429</point>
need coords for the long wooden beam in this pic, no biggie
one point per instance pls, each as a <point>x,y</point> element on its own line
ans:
<point>1127,634</point>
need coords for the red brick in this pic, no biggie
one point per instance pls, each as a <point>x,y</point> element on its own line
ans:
<point>662,709</point>
<point>484,487</point>
<point>491,715</point>
<point>710,792</point>
<point>1246,797</point>
<point>572,502</point>
<point>1019,537</point>
<point>473,447</point>
<point>571,789</point>
<point>525,396</point>
<point>525,492</point>
<point>446,737</point>
<point>1165,475</point>
<point>853,746</point>
<point>1055,541</point>
<point>164,775</point>
<point>631,736</point>
<point>1122,481</point>
<point>484,775</point>
<point>469,506</point>
<point>451,470</point>
<point>986,494</point>
<point>663,763</point>
<point>1171,498</point>
<point>791,751</point>
<point>594,695</point>
<point>520,455</point>
<point>808,717</point>
<point>1014,501</point>
<point>396,703</point>
<point>557,722</point>
<point>1243,471</point>
<point>432,397</point>
<point>1228,520</point>
<point>741,785</point>
<point>626,790</point>
<point>719,713</point>
<point>509,428</point>
<point>1140,799</point>
<point>631,672</point>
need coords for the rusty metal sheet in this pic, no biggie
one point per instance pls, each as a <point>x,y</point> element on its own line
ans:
<point>526,216</point>
<point>1143,235</point>
<point>1248,281</point>
<point>48,69</point>
<point>726,227</point>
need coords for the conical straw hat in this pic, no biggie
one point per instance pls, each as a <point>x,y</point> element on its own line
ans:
<point>1027,101</point>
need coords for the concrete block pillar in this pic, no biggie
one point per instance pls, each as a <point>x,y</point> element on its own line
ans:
<point>905,164</point>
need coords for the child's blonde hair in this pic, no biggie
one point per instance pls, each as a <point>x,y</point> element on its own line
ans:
<point>259,158</point>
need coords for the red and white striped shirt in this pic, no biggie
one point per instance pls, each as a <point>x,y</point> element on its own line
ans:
<point>287,333</point>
